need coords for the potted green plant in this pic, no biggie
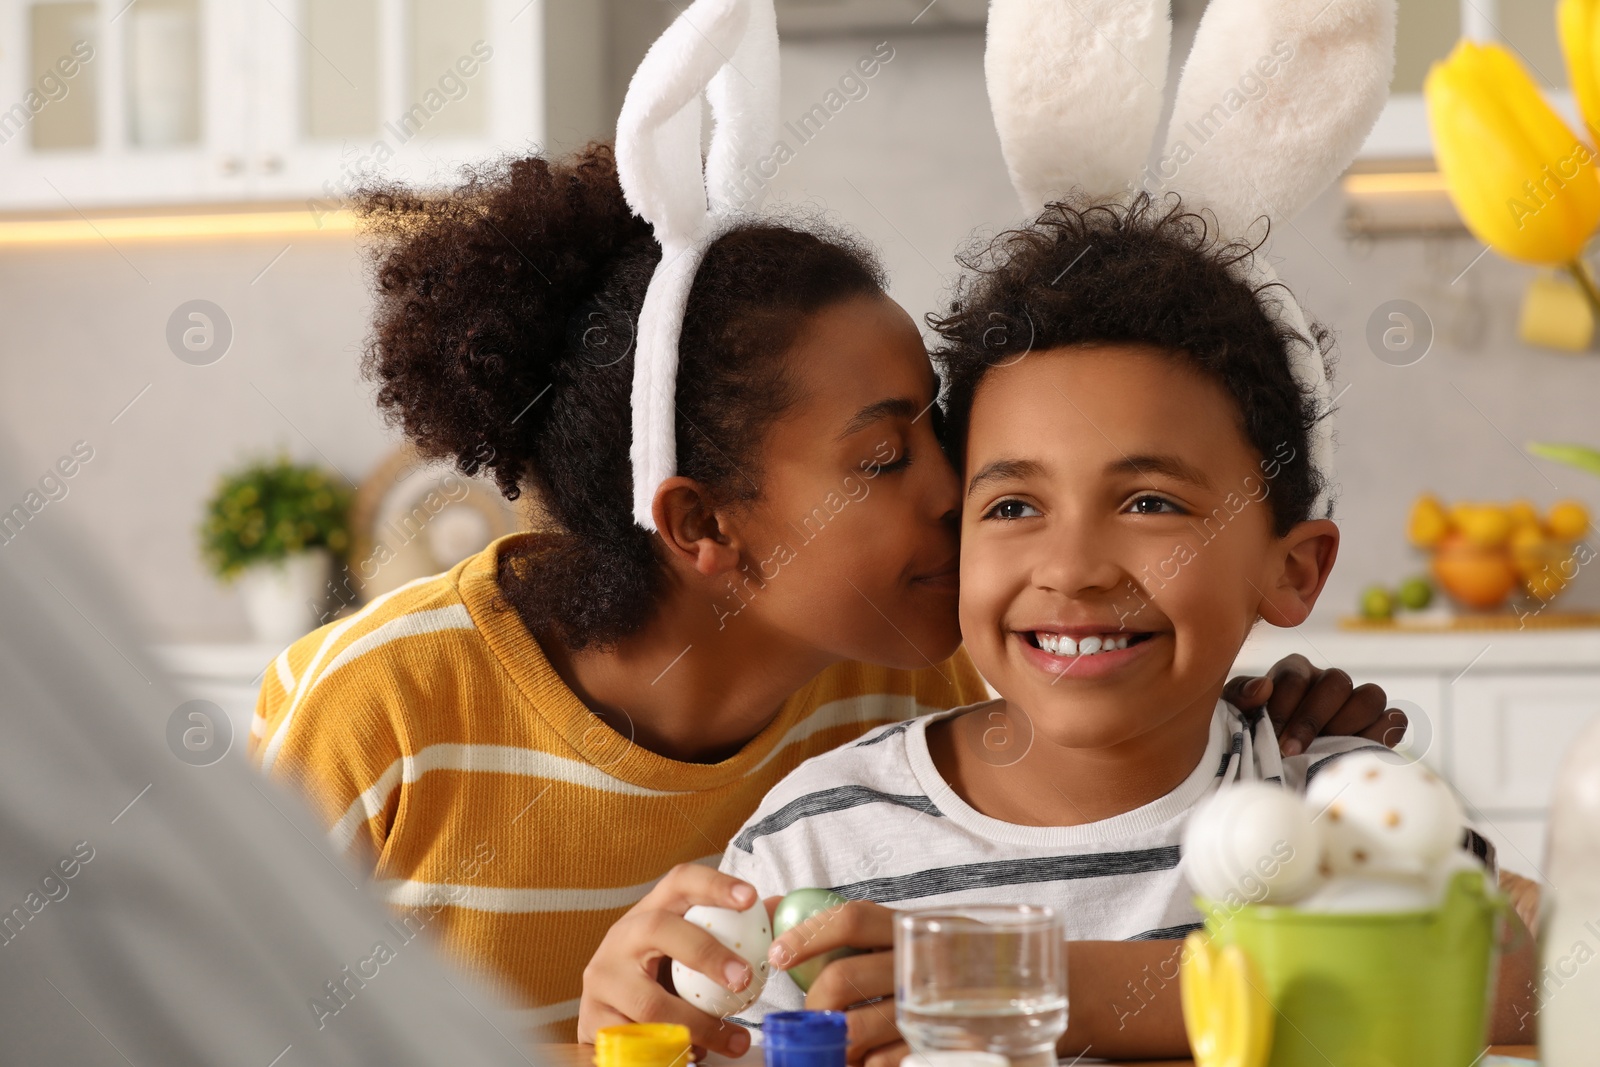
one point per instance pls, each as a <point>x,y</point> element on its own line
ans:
<point>273,528</point>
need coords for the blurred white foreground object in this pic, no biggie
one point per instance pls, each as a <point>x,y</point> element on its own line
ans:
<point>1252,843</point>
<point>156,908</point>
<point>1569,922</point>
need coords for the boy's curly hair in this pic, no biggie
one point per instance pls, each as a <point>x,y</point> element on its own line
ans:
<point>1139,273</point>
<point>503,340</point>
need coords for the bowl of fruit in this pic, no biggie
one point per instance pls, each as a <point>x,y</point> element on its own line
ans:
<point>1481,553</point>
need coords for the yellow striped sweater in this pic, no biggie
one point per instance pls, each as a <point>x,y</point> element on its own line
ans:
<point>494,811</point>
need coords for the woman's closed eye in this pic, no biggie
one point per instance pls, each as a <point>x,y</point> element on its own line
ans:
<point>899,464</point>
<point>1011,509</point>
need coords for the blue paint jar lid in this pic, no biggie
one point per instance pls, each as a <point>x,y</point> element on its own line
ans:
<point>805,1038</point>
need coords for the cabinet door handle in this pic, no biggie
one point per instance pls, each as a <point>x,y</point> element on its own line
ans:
<point>231,165</point>
<point>272,164</point>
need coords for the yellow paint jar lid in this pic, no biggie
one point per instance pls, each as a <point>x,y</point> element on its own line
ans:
<point>642,1045</point>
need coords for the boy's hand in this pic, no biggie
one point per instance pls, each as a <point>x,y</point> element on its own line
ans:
<point>623,982</point>
<point>1305,702</point>
<point>848,984</point>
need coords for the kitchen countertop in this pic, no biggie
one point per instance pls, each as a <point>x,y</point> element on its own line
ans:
<point>1370,651</point>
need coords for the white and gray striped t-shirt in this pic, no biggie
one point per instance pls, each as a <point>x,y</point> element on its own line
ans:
<point>874,820</point>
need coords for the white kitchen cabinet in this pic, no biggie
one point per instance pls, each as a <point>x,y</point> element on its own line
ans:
<point>1427,736</point>
<point>1511,731</point>
<point>111,102</point>
<point>1494,712</point>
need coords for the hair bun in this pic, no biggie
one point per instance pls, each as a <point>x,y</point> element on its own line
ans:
<point>476,289</point>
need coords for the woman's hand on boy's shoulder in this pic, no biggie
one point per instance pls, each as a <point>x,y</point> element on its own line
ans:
<point>622,982</point>
<point>1306,702</point>
<point>861,986</point>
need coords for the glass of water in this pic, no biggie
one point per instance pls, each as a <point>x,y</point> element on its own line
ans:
<point>985,978</point>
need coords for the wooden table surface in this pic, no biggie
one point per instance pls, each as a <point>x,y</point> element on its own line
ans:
<point>583,1056</point>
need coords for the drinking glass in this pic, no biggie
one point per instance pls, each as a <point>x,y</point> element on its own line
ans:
<point>987,978</point>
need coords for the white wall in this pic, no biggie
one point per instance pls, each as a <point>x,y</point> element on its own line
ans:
<point>914,165</point>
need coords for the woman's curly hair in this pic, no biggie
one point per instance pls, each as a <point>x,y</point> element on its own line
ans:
<point>503,340</point>
<point>1138,273</point>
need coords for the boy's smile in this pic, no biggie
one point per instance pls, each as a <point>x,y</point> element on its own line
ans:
<point>1081,651</point>
<point>1117,547</point>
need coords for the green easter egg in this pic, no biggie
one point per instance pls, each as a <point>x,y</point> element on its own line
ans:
<point>795,909</point>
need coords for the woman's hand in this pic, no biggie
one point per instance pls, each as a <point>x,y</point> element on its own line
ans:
<point>1524,896</point>
<point>861,986</point>
<point>623,982</point>
<point>1305,702</point>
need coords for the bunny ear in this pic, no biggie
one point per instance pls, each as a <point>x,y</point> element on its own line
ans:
<point>1274,102</point>
<point>659,167</point>
<point>658,128</point>
<point>744,107</point>
<point>1076,89</point>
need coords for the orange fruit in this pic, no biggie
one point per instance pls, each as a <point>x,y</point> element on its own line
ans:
<point>1485,525</point>
<point>1529,549</point>
<point>1568,520</point>
<point>1474,576</point>
<point>1428,523</point>
<point>1544,583</point>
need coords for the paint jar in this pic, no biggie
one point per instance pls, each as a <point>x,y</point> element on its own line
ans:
<point>805,1038</point>
<point>642,1045</point>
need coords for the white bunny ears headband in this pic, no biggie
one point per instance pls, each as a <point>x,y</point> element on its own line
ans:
<point>1275,100</point>
<point>727,50</point>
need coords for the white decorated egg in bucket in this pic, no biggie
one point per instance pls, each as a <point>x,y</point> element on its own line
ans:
<point>1253,842</point>
<point>1382,816</point>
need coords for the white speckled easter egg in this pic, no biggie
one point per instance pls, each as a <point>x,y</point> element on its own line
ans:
<point>1253,842</point>
<point>749,934</point>
<point>1365,893</point>
<point>1382,816</point>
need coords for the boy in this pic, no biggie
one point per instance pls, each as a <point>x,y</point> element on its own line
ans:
<point>1137,495</point>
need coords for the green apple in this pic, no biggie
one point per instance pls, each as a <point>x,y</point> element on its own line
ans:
<point>1416,593</point>
<point>1377,603</point>
<point>795,909</point>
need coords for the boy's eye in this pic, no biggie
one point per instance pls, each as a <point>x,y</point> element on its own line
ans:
<point>1011,509</point>
<point>1154,505</point>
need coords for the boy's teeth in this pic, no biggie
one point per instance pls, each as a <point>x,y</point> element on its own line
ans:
<point>1063,645</point>
<point>1059,645</point>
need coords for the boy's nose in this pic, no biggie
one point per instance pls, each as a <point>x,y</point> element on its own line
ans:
<point>1077,562</point>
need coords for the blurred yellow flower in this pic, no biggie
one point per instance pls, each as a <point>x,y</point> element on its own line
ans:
<point>1524,183</point>
<point>1578,22</point>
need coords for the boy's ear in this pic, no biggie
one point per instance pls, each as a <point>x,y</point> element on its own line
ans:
<point>692,529</point>
<point>1304,558</point>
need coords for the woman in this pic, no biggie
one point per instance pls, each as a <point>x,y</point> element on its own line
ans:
<point>542,753</point>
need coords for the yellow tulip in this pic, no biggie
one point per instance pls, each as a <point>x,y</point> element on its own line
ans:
<point>1522,180</point>
<point>1228,1019</point>
<point>1578,23</point>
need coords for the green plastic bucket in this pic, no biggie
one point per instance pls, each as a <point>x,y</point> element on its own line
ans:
<point>1402,989</point>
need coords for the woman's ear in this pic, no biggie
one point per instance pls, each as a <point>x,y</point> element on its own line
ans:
<point>1304,558</point>
<point>691,527</point>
